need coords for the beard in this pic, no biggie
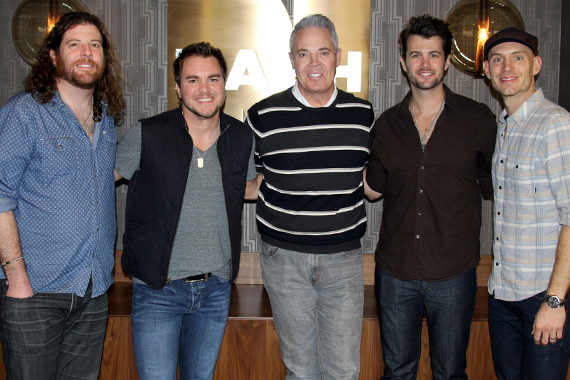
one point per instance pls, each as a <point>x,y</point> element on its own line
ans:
<point>85,80</point>
<point>204,114</point>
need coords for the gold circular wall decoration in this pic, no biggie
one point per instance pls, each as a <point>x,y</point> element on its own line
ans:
<point>33,20</point>
<point>472,22</point>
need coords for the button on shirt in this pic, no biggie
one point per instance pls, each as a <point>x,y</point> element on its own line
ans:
<point>432,198</point>
<point>61,189</point>
<point>531,176</point>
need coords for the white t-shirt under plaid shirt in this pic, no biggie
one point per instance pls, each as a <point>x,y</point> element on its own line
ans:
<point>531,180</point>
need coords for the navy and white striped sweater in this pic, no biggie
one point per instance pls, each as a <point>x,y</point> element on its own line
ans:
<point>312,196</point>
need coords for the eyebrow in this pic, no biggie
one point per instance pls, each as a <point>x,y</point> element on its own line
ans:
<point>507,53</point>
<point>319,49</point>
<point>192,76</point>
<point>429,52</point>
<point>79,40</point>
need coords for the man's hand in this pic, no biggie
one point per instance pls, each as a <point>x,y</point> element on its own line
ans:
<point>23,290</point>
<point>548,324</point>
<point>10,251</point>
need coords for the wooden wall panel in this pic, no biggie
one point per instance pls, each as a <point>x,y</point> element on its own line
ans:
<point>250,350</point>
<point>118,359</point>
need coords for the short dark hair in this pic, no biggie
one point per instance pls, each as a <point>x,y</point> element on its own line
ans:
<point>200,49</point>
<point>42,80</point>
<point>426,26</point>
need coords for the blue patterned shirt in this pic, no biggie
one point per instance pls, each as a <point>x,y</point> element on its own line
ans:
<point>61,189</point>
<point>531,178</point>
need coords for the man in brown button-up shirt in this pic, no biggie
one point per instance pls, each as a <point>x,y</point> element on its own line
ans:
<point>430,160</point>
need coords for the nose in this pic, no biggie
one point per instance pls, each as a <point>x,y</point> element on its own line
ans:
<point>314,60</point>
<point>86,51</point>
<point>424,61</point>
<point>203,86</point>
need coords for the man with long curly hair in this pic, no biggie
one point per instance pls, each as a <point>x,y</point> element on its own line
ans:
<point>57,210</point>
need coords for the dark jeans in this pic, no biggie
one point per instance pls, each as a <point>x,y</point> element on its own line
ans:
<point>53,335</point>
<point>515,354</point>
<point>449,306</point>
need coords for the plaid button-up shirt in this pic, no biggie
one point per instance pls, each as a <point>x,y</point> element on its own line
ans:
<point>531,179</point>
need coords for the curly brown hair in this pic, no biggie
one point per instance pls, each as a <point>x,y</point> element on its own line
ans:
<point>42,81</point>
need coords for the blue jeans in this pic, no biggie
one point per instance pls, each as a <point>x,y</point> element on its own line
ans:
<point>449,307</point>
<point>182,323</point>
<point>53,335</point>
<point>514,353</point>
<point>317,303</point>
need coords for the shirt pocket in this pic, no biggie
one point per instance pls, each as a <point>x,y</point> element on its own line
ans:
<point>58,155</point>
<point>521,174</point>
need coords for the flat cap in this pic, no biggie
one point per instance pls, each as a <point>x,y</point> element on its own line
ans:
<point>512,35</point>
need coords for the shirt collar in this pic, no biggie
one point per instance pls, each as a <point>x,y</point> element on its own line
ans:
<point>525,109</point>
<point>302,100</point>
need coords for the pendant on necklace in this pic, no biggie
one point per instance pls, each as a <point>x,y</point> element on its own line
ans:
<point>200,162</point>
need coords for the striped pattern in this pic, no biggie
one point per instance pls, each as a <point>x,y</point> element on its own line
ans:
<point>312,161</point>
<point>531,178</point>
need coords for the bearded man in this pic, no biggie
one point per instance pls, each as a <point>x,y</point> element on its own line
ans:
<point>57,205</point>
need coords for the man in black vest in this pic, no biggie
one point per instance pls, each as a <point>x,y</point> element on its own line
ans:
<point>189,170</point>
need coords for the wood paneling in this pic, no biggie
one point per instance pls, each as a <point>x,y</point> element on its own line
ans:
<point>250,349</point>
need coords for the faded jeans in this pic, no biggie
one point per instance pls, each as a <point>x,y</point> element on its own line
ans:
<point>317,302</point>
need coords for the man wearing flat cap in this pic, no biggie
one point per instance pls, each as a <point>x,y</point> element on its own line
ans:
<point>531,177</point>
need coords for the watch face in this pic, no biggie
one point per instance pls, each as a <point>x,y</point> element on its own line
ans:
<point>553,301</point>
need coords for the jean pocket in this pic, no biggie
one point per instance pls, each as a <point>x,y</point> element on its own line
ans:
<point>269,250</point>
<point>353,253</point>
<point>14,299</point>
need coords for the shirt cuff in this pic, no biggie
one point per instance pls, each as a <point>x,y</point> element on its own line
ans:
<point>8,204</point>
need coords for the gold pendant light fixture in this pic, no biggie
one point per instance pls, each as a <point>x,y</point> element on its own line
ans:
<point>472,22</point>
<point>34,19</point>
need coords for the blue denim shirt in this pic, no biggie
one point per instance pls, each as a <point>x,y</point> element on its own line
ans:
<point>61,189</point>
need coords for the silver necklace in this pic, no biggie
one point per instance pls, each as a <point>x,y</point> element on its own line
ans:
<point>425,136</point>
<point>88,125</point>
<point>201,157</point>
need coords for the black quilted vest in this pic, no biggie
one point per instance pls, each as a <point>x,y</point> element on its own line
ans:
<point>156,191</point>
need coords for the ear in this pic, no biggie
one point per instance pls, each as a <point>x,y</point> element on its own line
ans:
<point>292,61</point>
<point>486,68</point>
<point>338,55</point>
<point>447,62</point>
<point>52,55</point>
<point>177,90</point>
<point>536,65</point>
<point>403,63</point>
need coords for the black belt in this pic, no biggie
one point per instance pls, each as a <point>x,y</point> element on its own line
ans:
<point>199,277</point>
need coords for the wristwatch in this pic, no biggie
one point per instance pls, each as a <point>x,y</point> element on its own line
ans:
<point>554,301</point>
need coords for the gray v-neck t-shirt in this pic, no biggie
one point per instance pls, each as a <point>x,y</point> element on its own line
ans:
<point>202,242</point>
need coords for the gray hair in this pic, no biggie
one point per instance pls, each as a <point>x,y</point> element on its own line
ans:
<point>315,21</point>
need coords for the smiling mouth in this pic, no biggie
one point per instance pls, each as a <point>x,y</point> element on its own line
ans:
<point>85,64</point>
<point>316,75</point>
<point>204,100</point>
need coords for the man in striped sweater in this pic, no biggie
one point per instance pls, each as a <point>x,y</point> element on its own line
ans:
<point>312,143</point>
